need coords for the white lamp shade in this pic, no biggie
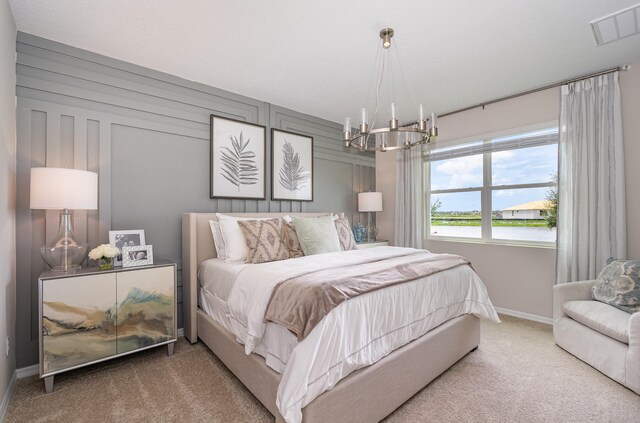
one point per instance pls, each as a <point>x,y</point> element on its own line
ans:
<point>370,201</point>
<point>56,188</point>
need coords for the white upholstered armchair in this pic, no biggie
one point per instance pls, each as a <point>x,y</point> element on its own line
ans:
<point>601,335</point>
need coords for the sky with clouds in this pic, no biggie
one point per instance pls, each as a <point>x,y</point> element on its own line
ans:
<point>511,167</point>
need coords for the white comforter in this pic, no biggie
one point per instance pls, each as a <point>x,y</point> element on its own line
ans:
<point>358,332</point>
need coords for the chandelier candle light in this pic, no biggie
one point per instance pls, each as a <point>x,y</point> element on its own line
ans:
<point>393,137</point>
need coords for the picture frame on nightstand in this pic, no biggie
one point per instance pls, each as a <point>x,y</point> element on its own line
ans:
<point>137,256</point>
<point>125,238</point>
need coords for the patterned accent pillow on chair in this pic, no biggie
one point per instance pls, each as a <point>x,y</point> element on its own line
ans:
<point>345,234</point>
<point>618,285</point>
<point>291,239</point>
<point>264,240</point>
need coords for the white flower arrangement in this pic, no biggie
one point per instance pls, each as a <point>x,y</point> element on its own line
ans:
<point>104,251</point>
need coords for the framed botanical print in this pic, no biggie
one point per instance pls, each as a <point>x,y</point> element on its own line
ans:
<point>291,166</point>
<point>238,159</point>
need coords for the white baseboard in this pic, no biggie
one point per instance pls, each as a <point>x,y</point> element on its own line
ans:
<point>7,397</point>
<point>526,316</point>
<point>180,332</point>
<point>27,371</point>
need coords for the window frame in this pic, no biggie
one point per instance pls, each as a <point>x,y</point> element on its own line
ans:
<point>486,191</point>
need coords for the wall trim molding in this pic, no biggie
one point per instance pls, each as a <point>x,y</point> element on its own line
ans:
<point>526,316</point>
<point>7,397</point>
<point>23,372</point>
<point>87,111</point>
<point>102,64</point>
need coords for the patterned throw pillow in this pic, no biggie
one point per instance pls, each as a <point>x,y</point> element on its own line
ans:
<point>619,285</point>
<point>345,235</point>
<point>291,238</point>
<point>264,240</point>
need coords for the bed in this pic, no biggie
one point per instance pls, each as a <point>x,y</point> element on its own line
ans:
<point>367,394</point>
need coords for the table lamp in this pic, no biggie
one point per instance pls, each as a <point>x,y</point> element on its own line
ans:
<point>370,202</point>
<point>64,189</point>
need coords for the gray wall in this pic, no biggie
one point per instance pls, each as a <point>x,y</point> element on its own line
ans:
<point>147,135</point>
<point>7,197</point>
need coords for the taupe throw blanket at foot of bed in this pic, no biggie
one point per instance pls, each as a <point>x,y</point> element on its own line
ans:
<point>301,302</point>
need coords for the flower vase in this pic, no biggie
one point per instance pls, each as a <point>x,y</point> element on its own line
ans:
<point>359,233</point>
<point>106,263</point>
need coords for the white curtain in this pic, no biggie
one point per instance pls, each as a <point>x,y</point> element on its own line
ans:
<point>409,224</point>
<point>591,205</point>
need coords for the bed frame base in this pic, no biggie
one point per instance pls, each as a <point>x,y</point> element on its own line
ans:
<point>367,395</point>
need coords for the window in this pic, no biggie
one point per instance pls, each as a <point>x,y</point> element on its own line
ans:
<point>494,189</point>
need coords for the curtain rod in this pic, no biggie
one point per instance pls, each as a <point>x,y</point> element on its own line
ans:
<point>535,90</point>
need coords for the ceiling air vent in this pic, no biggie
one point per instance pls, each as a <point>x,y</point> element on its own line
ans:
<point>616,26</point>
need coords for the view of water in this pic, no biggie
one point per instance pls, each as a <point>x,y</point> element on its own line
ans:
<point>499,232</point>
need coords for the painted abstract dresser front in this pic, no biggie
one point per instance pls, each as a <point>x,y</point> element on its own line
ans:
<point>90,316</point>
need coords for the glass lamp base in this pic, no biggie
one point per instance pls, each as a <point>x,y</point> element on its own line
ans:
<point>372,233</point>
<point>64,253</point>
<point>65,258</point>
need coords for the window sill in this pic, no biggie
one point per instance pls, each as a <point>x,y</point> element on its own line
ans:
<point>503,242</point>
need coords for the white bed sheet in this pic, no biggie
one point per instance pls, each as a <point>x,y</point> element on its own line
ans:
<point>216,278</point>
<point>340,343</point>
<point>276,345</point>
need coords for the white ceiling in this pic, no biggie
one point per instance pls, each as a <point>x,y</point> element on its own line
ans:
<point>317,56</point>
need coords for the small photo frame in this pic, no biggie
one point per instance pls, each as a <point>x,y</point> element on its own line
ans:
<point>141,255</point>
<point>126,238</point>
<point>238,159</point>
<point>291,166</point>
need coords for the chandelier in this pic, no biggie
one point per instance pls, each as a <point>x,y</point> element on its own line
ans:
<point>368,137</point>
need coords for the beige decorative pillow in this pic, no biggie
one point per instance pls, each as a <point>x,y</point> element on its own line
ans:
<point>235,246</point>
<point>345,234</point>
<point>317,235</point>
<point>264,240</point>
<point>292,241</point>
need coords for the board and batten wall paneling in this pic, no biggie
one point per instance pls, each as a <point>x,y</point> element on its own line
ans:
<point>147,136</point>
<point>8,188</point>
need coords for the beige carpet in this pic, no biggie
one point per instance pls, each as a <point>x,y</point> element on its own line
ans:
<point>518,374</point>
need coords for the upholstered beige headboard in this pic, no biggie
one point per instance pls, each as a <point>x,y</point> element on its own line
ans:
<point>198,246</point>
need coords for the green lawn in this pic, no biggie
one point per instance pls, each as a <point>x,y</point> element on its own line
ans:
<point>476,221</point>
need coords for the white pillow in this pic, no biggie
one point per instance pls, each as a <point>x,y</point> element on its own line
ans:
<point>234,242</point>
<point>217,239</point>
<point>289,219</point>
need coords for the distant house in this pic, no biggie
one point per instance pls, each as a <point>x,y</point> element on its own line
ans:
<point>531,210</point>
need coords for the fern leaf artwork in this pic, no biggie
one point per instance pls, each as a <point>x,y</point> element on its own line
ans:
<point>291,176</point>
<point>239,164</point>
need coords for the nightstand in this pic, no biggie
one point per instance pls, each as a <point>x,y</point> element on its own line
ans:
<point>89,316</point>
<point>372,244</point>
